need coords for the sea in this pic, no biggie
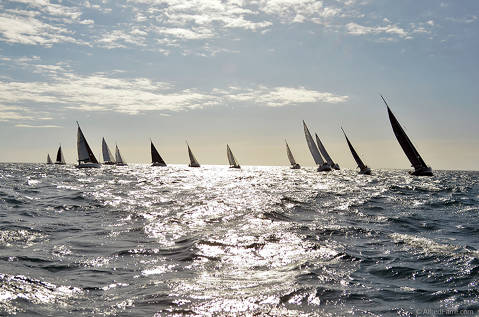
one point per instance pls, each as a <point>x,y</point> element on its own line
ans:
<point>215,241</point>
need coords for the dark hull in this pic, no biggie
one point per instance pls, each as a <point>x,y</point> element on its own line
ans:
<point>158,164</point>
<point>235,166</point>
<point>422,172</point>
<point>194,165</point>
<point>295,166</point>
<point>324,168</point>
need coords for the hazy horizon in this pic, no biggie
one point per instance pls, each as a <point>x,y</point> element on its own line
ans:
<point>244,73</point>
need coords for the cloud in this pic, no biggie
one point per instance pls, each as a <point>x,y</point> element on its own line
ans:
<point>20,125</point>
<point>390,29</point>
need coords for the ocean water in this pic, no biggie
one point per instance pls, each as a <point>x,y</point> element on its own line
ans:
<point>267,241</point>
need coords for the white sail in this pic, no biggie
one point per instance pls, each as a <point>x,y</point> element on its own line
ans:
<point>323,151</point>
<point>107,156</point>
<point>49,160</point>
<point>290,155</point>
<point>118,158</point>
<point>83,154</point>
<point>193,161</point>
<point>231,158</point>
<point>312,146</point>
<point>62,157</point>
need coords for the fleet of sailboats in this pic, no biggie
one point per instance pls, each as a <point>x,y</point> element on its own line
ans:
<point>193,160</point>
<point>363,169</point>
<point>231,158</point>
<point>324,162</point>
<point>420,167</point>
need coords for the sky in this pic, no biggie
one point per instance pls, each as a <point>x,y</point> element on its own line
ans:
<point>243,73</point>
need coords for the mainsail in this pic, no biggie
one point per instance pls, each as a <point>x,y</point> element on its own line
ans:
<point>193,161</point>
<point>290,155</point>
<point>412,154</point>
<point>312,146</point>
<point>323,151</point>
<point>118,158</point>
<point>49,160</point>
<point>60,159</point>
<point>107,156</point>
<point>353,152</point>
<point>85,153</point>
<point>155,156</point>
<point>231,158</point>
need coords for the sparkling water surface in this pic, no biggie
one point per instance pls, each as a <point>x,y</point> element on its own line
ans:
<point>141,241</point>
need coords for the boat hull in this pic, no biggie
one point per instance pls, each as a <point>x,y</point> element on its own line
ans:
<point>235,166</point>
<point>295,166</point>
<point>121,164</point>
<point>365,171</point>
<point>324,168</point>
<point>60,163</point>
<point>158,164</point>
<point>426,171</point>
<point>108,163</point>
<point>194,165</point>
<point>88,165</point>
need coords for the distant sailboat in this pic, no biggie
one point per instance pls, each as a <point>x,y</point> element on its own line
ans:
<point>325,154</point>
<point>107,156</point>
<point>118,159</point>
<point>231,158</point>
<point>420,167</point>
<point>86,158</point>
<point>294,165</point>
<point>363,169</point>
<point>60,159</point>
<point>156,159</point>
<point>322,165</point>
<point>49,160</point>
<point>193,161</point>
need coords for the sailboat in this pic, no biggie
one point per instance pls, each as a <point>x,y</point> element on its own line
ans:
<point>322,165</point>
<point>118,159</point>
<point>49,160</point>
<point>325,154</point>
<point>60,159</point>
<point>156,159</point>
<point>231,158</point>
<point>420,167</point>
<point>294,165</point>
<point>107,156</point>
<point>86,158</point>
<point>363,169</point>
<point>193,161</point>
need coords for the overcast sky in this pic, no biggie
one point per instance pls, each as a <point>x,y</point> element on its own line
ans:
<point>240,72</point>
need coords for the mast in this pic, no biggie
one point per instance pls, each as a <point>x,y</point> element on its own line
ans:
<point>85,153</point>
<point>312,146</point>
<point>412,154</point>
<point>353,152</point>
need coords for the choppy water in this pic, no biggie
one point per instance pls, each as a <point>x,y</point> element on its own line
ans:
<point>272,241</point>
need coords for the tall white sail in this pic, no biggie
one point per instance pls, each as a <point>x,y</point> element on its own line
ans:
<point>118,158</point>
<point>312,146</point>
<point>290,155</point>
<point>107,156</point>
<point>231,158</point>
<point>86,158</point>
<point>323,151</point>
<point>49,160</point>
<point>193,161</point>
